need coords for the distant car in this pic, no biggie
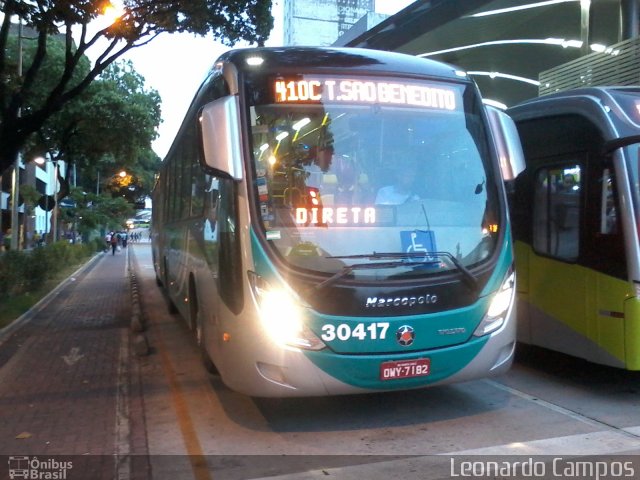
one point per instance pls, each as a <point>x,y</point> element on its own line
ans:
<point>137,223</point>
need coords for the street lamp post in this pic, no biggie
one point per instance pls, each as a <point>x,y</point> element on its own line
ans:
<point>15,185</point>
<point>55,202</point>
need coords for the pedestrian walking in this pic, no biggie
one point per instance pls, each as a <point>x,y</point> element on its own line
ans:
<point>114,243</point>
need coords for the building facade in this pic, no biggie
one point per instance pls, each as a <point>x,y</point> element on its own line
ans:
<point>321,22</point>
<point>35,220</point>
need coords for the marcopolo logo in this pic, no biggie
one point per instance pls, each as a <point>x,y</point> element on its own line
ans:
<point>408,301</point>
<point>34,469</point>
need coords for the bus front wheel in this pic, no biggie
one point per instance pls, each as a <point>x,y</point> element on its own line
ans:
<point>204,355</point>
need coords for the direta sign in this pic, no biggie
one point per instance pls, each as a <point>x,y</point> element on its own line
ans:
<point>338,216</point>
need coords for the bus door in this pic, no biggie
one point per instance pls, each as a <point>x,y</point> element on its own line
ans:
<point>604,260</point>
<point>556,283</point>
<point>576,273</point>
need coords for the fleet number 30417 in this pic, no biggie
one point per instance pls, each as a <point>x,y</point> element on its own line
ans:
<point>362,331</point>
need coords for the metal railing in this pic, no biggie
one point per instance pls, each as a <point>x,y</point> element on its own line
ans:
<point>617,64</point>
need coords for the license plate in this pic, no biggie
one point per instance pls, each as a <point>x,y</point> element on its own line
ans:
<point>420,367</point>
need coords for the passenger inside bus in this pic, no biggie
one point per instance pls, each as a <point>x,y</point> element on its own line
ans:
<point>569,184</point>
<point>402,189</point>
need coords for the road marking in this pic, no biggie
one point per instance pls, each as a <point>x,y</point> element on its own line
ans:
<point>632,430</point>
<point>189,435</point>
<point>594,443</point>
<point>603,443</point>
<point>563,411</point>
<point>73,356</point>
<point>188,431</point>
<point>122,450</point>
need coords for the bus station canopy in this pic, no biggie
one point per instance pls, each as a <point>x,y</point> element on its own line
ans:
<point>502,44</point>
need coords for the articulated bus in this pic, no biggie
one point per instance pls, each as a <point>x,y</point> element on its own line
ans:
<point>334,221</point>
<point>575,214</point>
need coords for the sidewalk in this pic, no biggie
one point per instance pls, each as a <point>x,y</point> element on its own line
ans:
<point>67,382</point>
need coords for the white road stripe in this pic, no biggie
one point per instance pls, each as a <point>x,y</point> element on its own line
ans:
<point>557,408</point>
<point>633,430</point>
<point>439,466</point>
<point>609,440</point>
<point>594,443</point>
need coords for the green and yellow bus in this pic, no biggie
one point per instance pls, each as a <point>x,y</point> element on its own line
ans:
<point>575,213</point>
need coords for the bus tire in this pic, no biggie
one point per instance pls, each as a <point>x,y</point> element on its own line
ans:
<point>204,355</point>
<point>171,307</point>
<point>155,269</point>
<point>195,324</point>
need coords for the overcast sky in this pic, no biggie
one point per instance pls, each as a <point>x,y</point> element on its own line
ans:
<point>175,65</point>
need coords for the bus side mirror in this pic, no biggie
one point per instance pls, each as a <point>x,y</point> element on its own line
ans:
<point>220,137</point>
<point>507,143</point>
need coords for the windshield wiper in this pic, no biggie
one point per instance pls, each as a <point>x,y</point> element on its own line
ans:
<point>347,269</point>
<point>467,276</point>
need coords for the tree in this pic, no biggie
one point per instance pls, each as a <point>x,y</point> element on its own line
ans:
<point>109,126</point>
<point>138,180</point>
<point>230,21</point>
<point>91,212</point>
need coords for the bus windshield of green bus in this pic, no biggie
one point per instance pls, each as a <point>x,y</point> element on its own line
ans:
<point>628,99</point>
<point>344,167</point>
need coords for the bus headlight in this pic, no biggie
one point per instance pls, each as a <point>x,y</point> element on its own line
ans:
<point>282,316</point>
<point>499,306</point>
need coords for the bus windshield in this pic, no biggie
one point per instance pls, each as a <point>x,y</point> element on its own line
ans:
<point>345,168</point>
<point>628,99</point>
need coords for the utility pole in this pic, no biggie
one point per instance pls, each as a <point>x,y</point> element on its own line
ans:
<point>15,189</point>
<point>56,166</point>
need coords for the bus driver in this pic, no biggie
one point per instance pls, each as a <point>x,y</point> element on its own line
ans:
<point>401,191</point>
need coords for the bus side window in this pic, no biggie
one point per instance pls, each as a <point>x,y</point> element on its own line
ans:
<point>229,258</point>
<point>605,247</point>
<point>210,195</point>
<point>608,213</point>
<point>557,212</point>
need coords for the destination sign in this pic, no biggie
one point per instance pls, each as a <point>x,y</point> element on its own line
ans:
<point>368,91</point>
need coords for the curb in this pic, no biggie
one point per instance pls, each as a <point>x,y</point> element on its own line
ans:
<point>27,316</point>
<point>140,343</point>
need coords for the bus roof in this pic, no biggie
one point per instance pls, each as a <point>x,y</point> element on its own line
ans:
<point>604,106</point>
<point>350,59</point>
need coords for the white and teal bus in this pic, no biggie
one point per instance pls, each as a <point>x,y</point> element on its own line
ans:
<point>333,221</point>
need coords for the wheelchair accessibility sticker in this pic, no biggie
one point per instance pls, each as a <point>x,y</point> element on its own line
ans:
<point>417,241</point>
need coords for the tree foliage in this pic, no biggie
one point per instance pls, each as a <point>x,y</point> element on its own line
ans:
<point>138,181</point>
<point>115,116</point>
<point>91,212</point>
<point>108,128</point>
<point>142,20</point>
